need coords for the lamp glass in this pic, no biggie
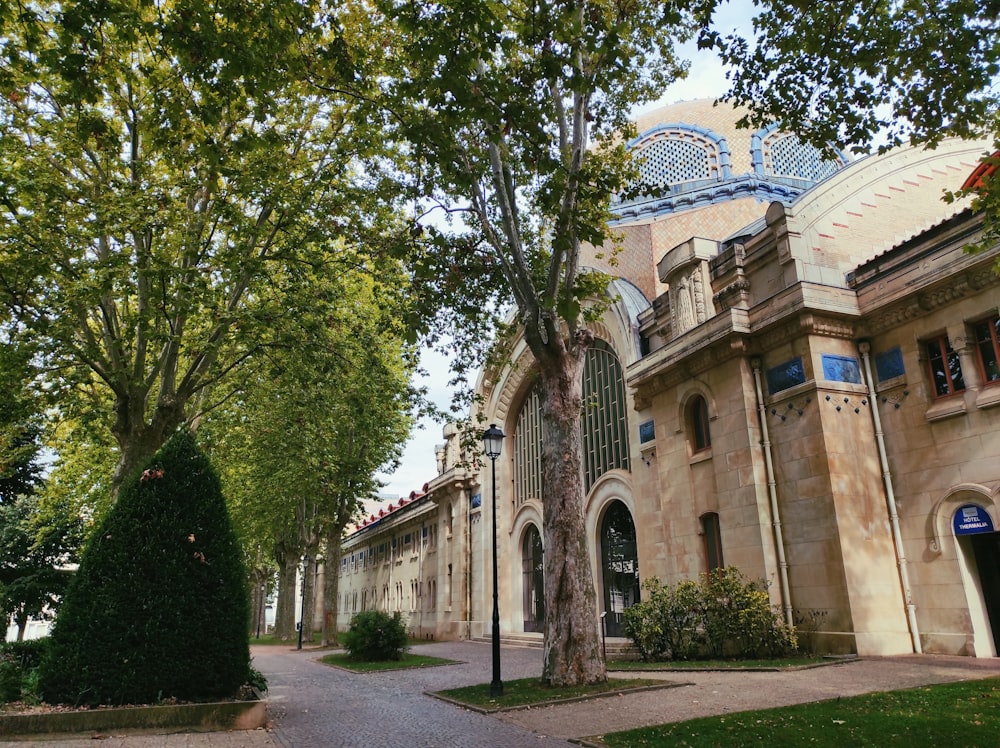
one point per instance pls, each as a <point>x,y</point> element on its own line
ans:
<point>493,441</point>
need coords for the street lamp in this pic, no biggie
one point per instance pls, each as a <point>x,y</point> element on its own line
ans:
<point>493,442</point>
<point>302,615</point>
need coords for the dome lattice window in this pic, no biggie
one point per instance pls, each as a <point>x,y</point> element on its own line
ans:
<point>787,156</point>
<point>674,155</point>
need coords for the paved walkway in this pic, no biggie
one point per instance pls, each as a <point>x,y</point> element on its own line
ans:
<point>311,705</point>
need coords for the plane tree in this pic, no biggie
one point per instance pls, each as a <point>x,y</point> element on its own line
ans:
<point>158,162</point>
<point>325,411</point>
<point>514,115</point>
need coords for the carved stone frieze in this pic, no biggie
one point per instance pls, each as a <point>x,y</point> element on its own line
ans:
<point>938,297</point>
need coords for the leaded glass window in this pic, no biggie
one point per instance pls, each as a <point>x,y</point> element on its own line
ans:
<point>604,422</point>
<point>527,450</point>
<point>604,426</point>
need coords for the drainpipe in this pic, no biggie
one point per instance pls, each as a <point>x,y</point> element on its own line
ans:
<point>465,495</point>
<point>890,497</point>
<point>772,493</point>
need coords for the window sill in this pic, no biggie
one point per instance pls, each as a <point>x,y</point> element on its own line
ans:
<point>989,396</point>
<point>701,456</point>
<point>946,408</point>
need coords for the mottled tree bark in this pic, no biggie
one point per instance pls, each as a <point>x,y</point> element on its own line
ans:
<point>572,653</point>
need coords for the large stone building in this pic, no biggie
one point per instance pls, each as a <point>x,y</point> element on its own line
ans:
<point>798,375</point>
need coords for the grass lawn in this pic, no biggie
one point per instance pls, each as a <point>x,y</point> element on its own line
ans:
<point>965,715</point>
<point>778,664</point>
<point>531,691</point>
<point>343,660</point>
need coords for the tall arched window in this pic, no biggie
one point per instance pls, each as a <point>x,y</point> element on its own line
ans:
<point>605,415</point>
<point>527,450</point>
<point>712,533</point>
<point>619,565</point>
<point>701,437</point>
<point>603,425</point>
<point>533,578</point>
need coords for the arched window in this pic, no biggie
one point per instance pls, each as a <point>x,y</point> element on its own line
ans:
<point>604,423</point>
<point>527,450</point>
<point>712,534</point>
<point>782,154</point>
<point>619,565</point>
<point>701,437</point>
<point>532,583</point>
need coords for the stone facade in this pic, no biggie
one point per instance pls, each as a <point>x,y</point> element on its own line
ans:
<point>786,409</point>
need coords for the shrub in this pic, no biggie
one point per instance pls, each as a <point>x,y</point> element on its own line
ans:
<point>721,615</point>
<point>739,620</point>
<point>666,625</point>
<point>19,662</point>
<point>159,605</point>
<point>375,635</point>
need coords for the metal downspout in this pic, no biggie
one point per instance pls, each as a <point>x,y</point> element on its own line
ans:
<point>466,503</point>
<point>890,497</point>
<point>772,493</point>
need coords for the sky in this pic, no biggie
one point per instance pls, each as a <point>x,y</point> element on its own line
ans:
<point>418,464</point>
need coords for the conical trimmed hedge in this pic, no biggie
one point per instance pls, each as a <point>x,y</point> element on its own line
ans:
<point>159,606</point>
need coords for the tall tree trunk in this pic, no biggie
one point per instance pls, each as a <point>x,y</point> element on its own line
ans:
<point>288,565</point>
<point>258,598</point>
<point>331,588</point>
<point>308,600</point>
<point>572,653</point>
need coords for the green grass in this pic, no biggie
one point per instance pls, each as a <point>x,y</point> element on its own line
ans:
<point>965,714</point>
<point>788,662</point>
<point>342,659</point>
<point>531,691</point>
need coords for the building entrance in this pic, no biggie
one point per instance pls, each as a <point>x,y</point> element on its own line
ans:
<point>986,551</point>
<point>620,566</point>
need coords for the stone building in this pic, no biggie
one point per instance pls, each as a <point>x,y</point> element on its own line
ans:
<point>798,374</point>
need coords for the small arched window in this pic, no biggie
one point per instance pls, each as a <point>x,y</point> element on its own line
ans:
<point>701,437</point>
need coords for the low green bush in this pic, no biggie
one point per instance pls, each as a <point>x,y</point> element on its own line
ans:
<point>375,635</point>
<point>19,663</point>
<point>722,614</point>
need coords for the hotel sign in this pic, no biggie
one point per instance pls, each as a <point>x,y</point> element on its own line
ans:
<point>971,519</point>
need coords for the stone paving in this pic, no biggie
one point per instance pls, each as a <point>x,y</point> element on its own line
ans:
<point>311,704</point>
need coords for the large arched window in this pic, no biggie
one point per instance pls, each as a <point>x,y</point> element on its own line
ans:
<point>532,583</point>
<point>603,424</point>
<point>527,450</point>
<point>605,414</point>
<point>619,565</point>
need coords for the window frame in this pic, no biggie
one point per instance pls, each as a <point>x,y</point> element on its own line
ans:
<point>698,423</point>
<point>945,354</point>
<point>992,339</point>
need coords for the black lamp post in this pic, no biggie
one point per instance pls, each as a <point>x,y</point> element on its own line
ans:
<point>493,442</point>
<point>302,615</point>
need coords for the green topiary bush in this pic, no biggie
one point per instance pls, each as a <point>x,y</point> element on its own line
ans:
<point>159,606</point>
<point>375,636</point>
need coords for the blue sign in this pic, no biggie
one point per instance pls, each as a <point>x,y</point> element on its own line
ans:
<point>971,519</point>
<point>647,432</point>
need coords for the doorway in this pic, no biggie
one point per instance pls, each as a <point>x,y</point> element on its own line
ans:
<point>619,564</point>
<point>986,552</point>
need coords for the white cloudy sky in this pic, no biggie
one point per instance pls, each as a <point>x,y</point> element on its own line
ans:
<point>706,80</point>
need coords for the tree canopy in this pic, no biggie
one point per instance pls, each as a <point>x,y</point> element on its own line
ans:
<point>158,162</point>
